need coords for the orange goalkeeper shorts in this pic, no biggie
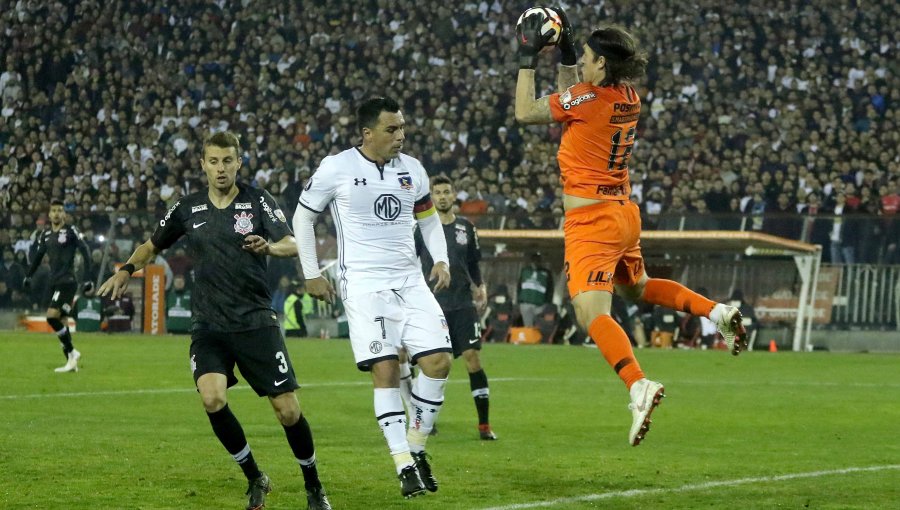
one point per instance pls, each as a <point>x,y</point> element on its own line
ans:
<point>603,246</point>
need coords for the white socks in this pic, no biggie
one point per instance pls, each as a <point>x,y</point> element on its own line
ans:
<point>427,399</point>
<point>392,420</point>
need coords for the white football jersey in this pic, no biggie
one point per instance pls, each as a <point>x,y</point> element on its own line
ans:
<point>373,211</point>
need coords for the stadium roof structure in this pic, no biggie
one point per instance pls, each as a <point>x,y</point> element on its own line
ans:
<point>700,243</point>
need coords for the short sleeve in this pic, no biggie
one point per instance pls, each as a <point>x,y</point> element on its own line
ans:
<point>571,104</point>
<point>273,220</point>
<point>320,188</point>
<point>170,227</point>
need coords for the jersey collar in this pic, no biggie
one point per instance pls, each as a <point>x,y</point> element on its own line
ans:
<point>379,167</point>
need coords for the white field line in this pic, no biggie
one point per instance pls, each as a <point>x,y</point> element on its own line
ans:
<point>164,391</point>
<point>691,487</point>
<point>674,383</point>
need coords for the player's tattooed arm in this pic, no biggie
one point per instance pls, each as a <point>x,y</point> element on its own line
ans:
<point>528,109</point>
<point>568,76</point>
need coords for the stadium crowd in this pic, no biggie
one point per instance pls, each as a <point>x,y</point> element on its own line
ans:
<point>756,115</point>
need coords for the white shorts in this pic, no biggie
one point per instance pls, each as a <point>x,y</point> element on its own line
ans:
<point>382,322</point>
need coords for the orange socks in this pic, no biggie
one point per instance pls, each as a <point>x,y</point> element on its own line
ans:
<point>614,343</point>
<point>676,296</point>
<point>616,348</point>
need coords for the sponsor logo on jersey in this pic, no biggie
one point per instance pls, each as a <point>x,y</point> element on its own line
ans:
<point>243,205</point>
<point>405,182</point>
<point>193,362</point>
<point>265,206</point>
<point>387,207</point>
<point>198,208</point>
<point>162,222</point>
<point>599,277</point>
<point>357,182</point>
<point>375,347</point>
<point>583,98</point>
<point>280,215</point>
<point>243,225</point>
<point>308,184</point>
<point>626,107</point>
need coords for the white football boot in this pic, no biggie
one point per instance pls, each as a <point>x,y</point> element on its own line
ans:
<point>731,327</point>
<point>645,396</point>
<point>72,364</point>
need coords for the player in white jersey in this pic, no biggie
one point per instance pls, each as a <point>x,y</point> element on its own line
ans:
<point>376,196</point>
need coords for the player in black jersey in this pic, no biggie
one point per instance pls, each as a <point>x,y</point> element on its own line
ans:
<point>227,227</point>
<point>59,243</point>
<point>466,291</point>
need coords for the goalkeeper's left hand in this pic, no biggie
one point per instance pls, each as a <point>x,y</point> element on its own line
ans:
<point>531,41</point>
<point>566,44</point>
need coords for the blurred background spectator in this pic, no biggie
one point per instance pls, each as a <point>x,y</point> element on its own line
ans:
<point>754,116</point>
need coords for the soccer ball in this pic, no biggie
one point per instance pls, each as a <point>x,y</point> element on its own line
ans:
<point>552,22</point>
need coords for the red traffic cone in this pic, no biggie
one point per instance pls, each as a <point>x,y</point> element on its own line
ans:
<point>772,346</point>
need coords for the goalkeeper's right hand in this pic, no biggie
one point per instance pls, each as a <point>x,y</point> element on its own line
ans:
<point>566,44</point>
<point>531,40</point>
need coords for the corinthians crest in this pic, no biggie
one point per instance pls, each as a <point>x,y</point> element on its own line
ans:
<point>243,225</point>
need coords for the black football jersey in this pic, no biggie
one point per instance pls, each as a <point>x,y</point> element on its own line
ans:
<point>464,253</point>
<point>230,291</point>
<point>60,247</point>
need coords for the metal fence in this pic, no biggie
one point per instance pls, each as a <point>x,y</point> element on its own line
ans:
<point>867,296</point>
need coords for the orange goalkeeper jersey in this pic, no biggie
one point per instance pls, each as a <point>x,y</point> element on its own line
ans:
<point>600,124</point>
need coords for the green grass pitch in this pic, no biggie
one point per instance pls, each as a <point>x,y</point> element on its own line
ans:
<point>785,430</point>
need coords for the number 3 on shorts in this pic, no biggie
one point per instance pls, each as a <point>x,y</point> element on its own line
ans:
<point>282,362</point>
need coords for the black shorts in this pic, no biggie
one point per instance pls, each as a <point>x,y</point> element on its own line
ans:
<point>61,297</point>
<point>259,354</point>
<point>465,330</point>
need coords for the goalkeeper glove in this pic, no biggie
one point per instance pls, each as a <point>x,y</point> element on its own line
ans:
<point>566,40</point>
<point>531,41</point>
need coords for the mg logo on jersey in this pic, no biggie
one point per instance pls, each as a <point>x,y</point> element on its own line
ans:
<point>243,225</point>
<point>387,207</point>
<point>375,347</point>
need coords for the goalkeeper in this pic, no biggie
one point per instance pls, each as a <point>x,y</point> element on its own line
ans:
<point>600,113</point>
